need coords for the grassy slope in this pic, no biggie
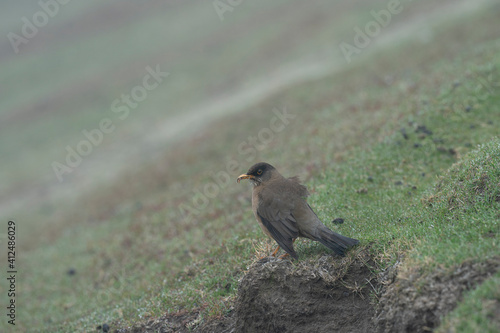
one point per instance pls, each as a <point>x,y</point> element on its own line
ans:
<point>465,209</point>
<point>387,214</point>
<point>131,265</point>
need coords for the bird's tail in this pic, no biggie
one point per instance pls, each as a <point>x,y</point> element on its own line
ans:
<point>337,243</point>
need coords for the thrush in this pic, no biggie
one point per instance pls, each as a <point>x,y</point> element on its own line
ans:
<point>279,205</point>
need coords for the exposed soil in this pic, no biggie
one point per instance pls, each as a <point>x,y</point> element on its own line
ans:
<point>278,296</point>
<point>334,294</point>
<point>417,302</point>
<point>331,294</point>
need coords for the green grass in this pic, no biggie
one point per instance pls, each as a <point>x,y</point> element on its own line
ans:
<point>463,210</point>
<point>137,256</point>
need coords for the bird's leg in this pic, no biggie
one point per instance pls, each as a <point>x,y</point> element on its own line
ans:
<point>275,251</point>
<point>286,254</point>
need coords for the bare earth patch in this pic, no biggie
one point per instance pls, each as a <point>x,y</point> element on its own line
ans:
<point>328,295</point>
<point>416,303</point>
<point>332,295</point>
<point>280,296</point>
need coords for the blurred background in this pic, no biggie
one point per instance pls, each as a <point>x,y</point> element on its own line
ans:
<point>220,59</point>
<point>117,111</point>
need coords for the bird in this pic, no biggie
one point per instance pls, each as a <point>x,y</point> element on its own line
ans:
<point>280,207</point>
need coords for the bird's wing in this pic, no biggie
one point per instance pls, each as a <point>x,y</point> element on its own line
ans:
<point>301,190</point>
<point>276,215</point>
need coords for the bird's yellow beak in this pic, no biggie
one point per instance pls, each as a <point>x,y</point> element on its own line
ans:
<point>244,176</point>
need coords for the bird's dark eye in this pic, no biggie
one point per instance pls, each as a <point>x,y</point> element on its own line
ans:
<point>259,172</point>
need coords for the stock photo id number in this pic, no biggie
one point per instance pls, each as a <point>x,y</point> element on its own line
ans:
<point>11,272</point>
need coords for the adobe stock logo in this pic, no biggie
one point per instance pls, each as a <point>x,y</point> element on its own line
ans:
<point>121,107</point>
<point>30,28</point>
<point>249,149</point>
<point>372,29</point>
<point>223,6</point>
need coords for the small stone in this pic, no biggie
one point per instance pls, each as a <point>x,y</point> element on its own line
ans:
<point>403,132</point>
<point>338,220</point>
<point>423,129</point>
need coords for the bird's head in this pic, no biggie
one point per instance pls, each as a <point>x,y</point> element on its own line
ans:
<point>259,173</point>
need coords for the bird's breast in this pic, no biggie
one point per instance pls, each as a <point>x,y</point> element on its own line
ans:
<point>255,206</point>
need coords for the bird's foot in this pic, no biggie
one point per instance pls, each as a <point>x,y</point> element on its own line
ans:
<point>275,252</point>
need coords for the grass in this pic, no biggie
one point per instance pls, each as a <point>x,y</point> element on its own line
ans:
<point>463,210</point>
<point>424,198</point>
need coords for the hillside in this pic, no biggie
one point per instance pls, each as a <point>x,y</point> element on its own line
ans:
<point>153,230</point>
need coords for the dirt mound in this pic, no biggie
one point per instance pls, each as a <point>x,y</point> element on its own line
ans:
<point>327,296</point>
<point>333,295</point>
<point>416,303</point>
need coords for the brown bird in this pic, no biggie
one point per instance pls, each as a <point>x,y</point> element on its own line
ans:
<point>279,205</point>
